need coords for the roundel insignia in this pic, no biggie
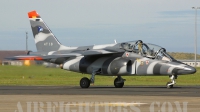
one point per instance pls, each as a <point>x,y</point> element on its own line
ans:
<point>147,62</point>
<point>40,29</point>
<point>127,54</point>
<point>168,70</point>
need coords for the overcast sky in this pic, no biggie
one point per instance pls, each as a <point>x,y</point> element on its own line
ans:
<point>168,23</point>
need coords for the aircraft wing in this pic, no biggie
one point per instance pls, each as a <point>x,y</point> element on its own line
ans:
<point>56,56</point>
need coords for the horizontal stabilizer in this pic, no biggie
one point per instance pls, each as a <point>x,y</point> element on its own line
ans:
<point>24,57</point>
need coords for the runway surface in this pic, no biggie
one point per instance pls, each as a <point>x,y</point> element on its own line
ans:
<point>187,91</point>
<point>99,99</point>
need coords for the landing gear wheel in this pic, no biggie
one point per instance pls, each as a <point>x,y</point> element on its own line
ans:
<point>169,86</point>
<point>117,84</point>
<point>85,82</point>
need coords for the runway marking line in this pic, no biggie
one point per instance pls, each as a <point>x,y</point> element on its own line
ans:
<point>107,104</point>
<point>103,104</point>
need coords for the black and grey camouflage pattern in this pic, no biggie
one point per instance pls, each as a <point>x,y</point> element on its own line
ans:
<point>47,42</point>
<point>108,59</point>
<point>123,64</point>
<point>44,39</point>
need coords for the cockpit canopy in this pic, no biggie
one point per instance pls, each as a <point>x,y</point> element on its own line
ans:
<point>147,50</point>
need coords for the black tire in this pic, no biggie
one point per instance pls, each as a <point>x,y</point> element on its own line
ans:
<point>169,86</point>
<point>118,85</point>
<point>84,82</point>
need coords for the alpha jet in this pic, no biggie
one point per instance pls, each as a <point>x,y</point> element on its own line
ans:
<point>118,59</point>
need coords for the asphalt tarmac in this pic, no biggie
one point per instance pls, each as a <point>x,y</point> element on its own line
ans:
<point>99,99</point>
<point>188,91</point>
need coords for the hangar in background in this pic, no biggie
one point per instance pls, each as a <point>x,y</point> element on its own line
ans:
<point>6,53</point>
<point>191,62</point>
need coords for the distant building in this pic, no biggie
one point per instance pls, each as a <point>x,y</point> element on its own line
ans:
<point>5,54</point>
<point>191,62</point>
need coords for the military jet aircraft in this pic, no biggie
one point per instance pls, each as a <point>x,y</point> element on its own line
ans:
<point>118,59</point>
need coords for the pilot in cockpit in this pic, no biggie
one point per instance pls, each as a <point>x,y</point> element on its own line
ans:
<point>140,48</point>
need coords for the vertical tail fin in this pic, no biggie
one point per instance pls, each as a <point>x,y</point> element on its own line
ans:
<point>44,38</point>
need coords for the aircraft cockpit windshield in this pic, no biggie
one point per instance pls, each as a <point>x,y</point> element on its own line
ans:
<point>157,52</point>
<point>129,46</point>
<point>147,50</point>
<point>132,46</point>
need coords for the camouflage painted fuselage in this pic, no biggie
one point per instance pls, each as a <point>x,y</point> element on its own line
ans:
<point>127,63</point>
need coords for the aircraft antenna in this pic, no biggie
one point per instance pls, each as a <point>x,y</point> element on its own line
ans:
<point>115,41</point>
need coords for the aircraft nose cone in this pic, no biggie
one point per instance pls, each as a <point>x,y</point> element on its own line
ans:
<point>189,70</point>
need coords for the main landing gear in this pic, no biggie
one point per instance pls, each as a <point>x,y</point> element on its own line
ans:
<point>173,81</point>
<point>85,82</point>
<point>119,82</point>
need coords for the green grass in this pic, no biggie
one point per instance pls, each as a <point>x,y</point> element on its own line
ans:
<point>40,75</point>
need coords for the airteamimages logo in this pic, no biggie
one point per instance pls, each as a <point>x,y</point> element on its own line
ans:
<point>101,107</point>
<point>40,29</point>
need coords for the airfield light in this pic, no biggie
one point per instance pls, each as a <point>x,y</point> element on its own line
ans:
<point>195,38</point>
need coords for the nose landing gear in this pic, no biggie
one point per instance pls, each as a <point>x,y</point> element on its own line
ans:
<point>173,81</point>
